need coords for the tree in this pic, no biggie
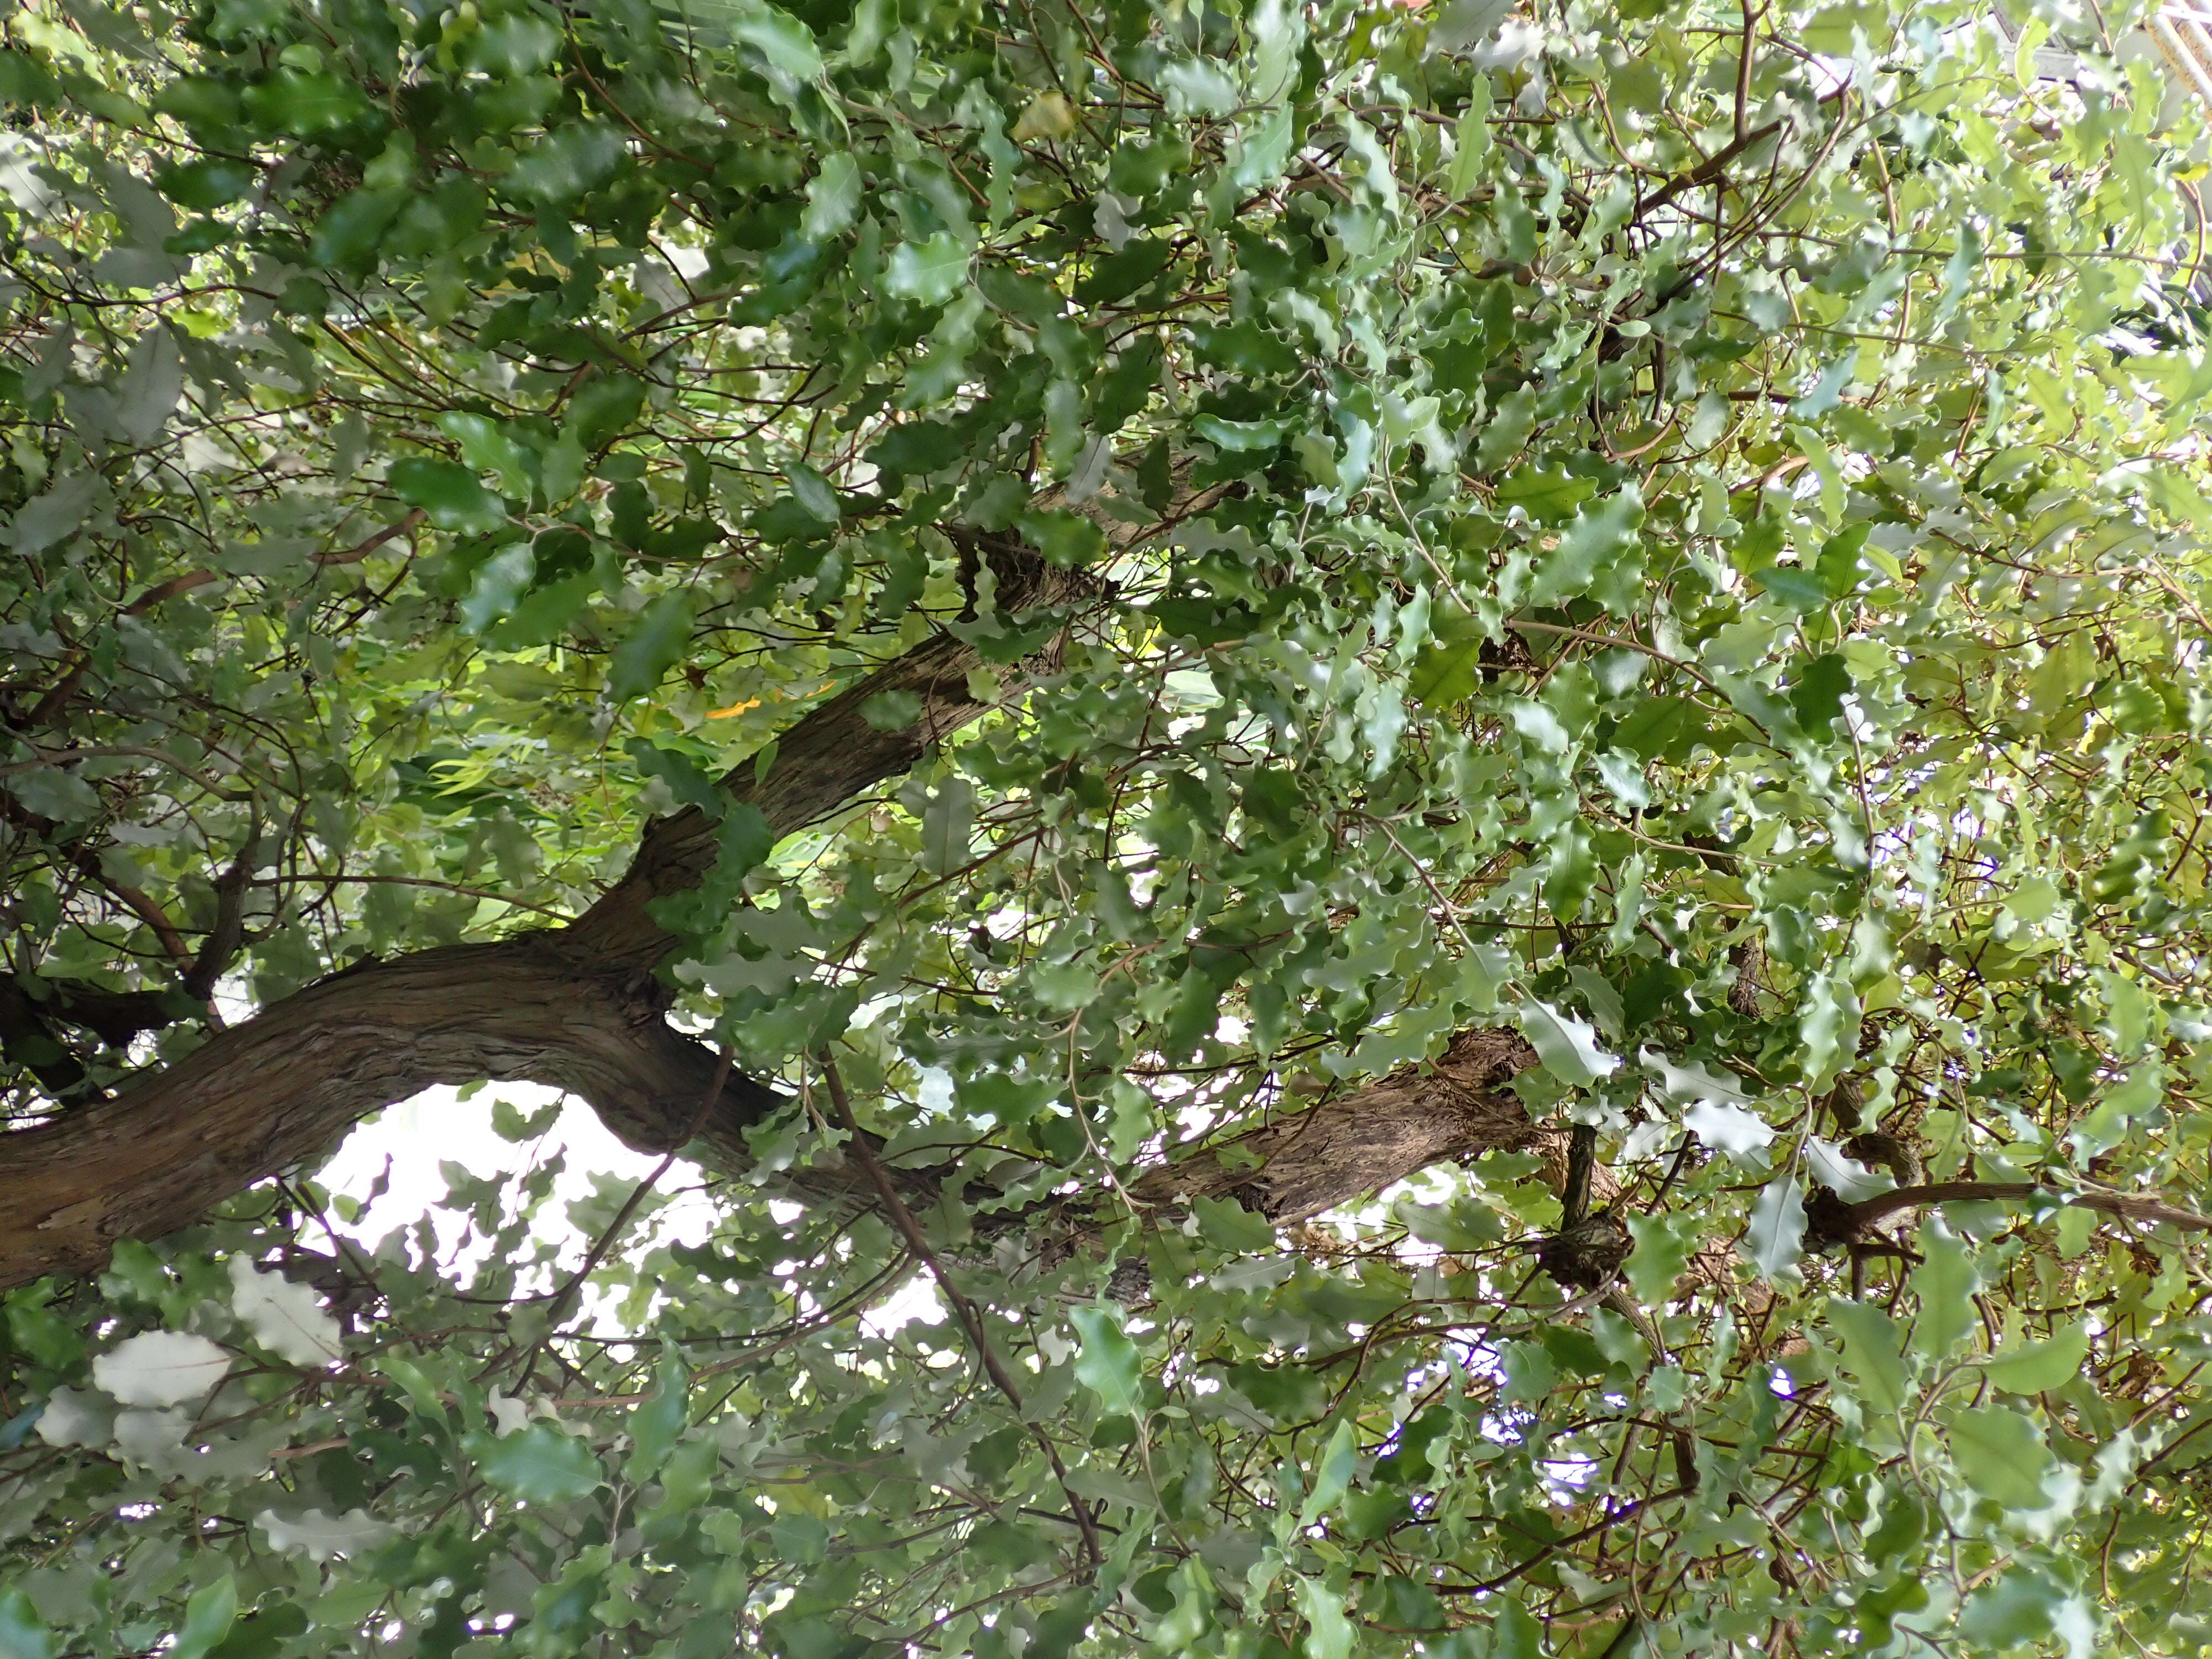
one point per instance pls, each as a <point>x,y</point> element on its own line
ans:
<point>1456,759</point>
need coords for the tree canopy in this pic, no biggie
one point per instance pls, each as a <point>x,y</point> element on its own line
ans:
<point>1457,757</point>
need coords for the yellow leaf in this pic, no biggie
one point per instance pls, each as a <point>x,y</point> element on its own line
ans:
<point>733,710</point>
<point>1047,117</point>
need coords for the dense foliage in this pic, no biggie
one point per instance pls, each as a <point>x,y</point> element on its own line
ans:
<point>1621,586</point>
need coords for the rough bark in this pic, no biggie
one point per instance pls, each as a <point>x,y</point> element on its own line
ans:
<point>273,1092</point>
<point>821,763</point>
<point>1350,1144</point>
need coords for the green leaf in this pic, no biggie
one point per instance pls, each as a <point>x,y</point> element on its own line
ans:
<point>2023,1605</point>
<point>209,1612</point>
<point>656,642</point>
<point>946,823</point>
<point>347,237</point>
<point>1872,1353</point>
<point>1471,141</point>
<point>205,184</point>
<point>1944,1281</point>
<point>1828,388</point>
<point>572,160</point>
<point>1240,437</point>
<point>22,1634</point>
<point>1776,1237</point>
<point>1818,696</point>
<point>302,104</point>
<point>605,405</point>
<point>892,711</point>
<point>1118,276</point>
<point>490,447</point>
<point>657,1422</point>
<point>1228,1225</point>
<point>1663,1245</point>
<point>930,272</point>
<point>1067,539</point>
<point>1329,1634</point>
<point>53,792</point>
<point>512,45</point>
<point>786,46</point>
<point>1514,1634</point>
<point>833,199</point>
<point>1511,421</point>
<point>1108,1364</point>
<point>56,511</point>
<point>2002,1455</point>
<point>498,587</point>
<point>451,494</point>
<point>1333,1475</point>
<point>162,1368</point>
<point>2032,1368</point>
<point>1447,672</point>
<point>1800,590</point>
<point>25,82</point>
<point>814,494</point>
<point>286,1319</point>
<point>1568,1047</point>
<point>1600,555</point>
<point>745,840</point>
<point>1829,1027</point>
<point>539,1465</point>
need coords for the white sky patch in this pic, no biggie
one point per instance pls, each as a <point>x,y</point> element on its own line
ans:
<point>914,1302</point>
<point>435,1126</point>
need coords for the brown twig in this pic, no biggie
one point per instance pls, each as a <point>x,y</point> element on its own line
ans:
<point>1707,170</point>
<point>362,549</point>
<point>169,589</point>
<point>970,1317</point>
<point>1626,1511</point>
<point>309,1449</point>
<point>1869,1212</point>
<point>223,940</point>
<point>1743,65</point>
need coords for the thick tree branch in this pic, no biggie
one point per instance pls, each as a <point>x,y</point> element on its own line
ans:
<point>29,1040</point>
<point>576,1008</point>
<point>1361,1141</point>
<point>821,763</point>
<point>277,1090</point>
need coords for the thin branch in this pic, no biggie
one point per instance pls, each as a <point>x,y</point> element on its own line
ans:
<point>597,1253</point>
<point>362,549</point>
<point>1868,1212</point>
<point>1709,169</point>
<point>970,1317</point>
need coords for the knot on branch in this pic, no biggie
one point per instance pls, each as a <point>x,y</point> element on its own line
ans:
<point>1831,1224</point>
<point>1889,1151</point>
<point>1586,1256</point>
